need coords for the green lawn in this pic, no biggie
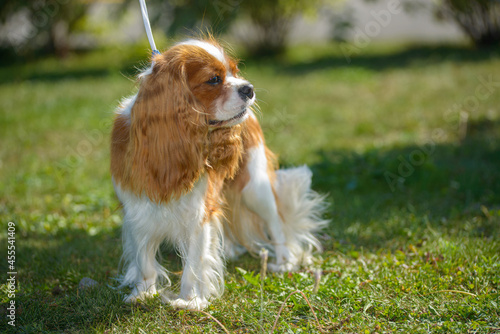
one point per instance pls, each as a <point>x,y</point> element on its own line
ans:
<point>405,140</point>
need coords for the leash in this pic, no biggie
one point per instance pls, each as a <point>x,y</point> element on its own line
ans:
<point>147,26</point>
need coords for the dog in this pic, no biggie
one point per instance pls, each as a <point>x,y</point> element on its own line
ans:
<point>190,167</point>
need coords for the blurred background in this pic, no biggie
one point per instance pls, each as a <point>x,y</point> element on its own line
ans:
<point>394,104</point>
<point>34,27</point>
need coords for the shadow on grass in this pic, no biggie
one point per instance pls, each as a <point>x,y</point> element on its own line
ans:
<point>111,62</point>
<point>411,57</point>
<point>383,198</point>
<point>49,270</point>
<point>11,76</point>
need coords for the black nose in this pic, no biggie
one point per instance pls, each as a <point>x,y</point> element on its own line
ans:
<point>246,92</point>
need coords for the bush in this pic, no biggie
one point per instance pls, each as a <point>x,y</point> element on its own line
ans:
<point>479,19</point>
<point>42,26</point>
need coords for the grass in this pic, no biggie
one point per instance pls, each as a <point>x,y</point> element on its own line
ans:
<point>413,184</point>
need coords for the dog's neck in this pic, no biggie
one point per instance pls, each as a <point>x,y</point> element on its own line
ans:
<point>224,151</point>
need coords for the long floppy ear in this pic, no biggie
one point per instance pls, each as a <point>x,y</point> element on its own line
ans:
<point>168,133</point>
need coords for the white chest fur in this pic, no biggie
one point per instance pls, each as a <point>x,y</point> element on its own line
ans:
<point>168,220</point>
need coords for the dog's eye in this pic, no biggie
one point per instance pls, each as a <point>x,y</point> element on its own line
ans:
<point>214,80</point>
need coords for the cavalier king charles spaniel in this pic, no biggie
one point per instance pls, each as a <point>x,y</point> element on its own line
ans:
<point>191,168</point>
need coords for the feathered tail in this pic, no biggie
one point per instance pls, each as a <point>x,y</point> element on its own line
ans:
<point>302,210</point>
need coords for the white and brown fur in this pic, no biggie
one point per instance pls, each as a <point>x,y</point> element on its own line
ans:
<point>190,167</point>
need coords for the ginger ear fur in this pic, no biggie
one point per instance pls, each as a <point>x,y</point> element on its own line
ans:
<point>168,133</point>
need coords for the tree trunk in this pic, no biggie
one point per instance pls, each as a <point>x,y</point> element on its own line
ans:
<point>59,38</point>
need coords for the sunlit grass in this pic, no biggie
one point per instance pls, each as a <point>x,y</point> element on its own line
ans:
<point>414,191</point>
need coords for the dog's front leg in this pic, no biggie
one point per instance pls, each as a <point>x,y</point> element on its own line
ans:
<point>202,275</point>
<point>141,240</point>
<point>258,196</point>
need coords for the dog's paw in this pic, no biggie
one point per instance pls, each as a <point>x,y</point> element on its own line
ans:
<point>136,296</point>
<point>141,291</point>
<point>284,261</point>
<point>191,304</point>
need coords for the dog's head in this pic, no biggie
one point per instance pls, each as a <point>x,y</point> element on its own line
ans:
<point>203,70</point>
<point>213,79</point>
<point>189,104</point>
